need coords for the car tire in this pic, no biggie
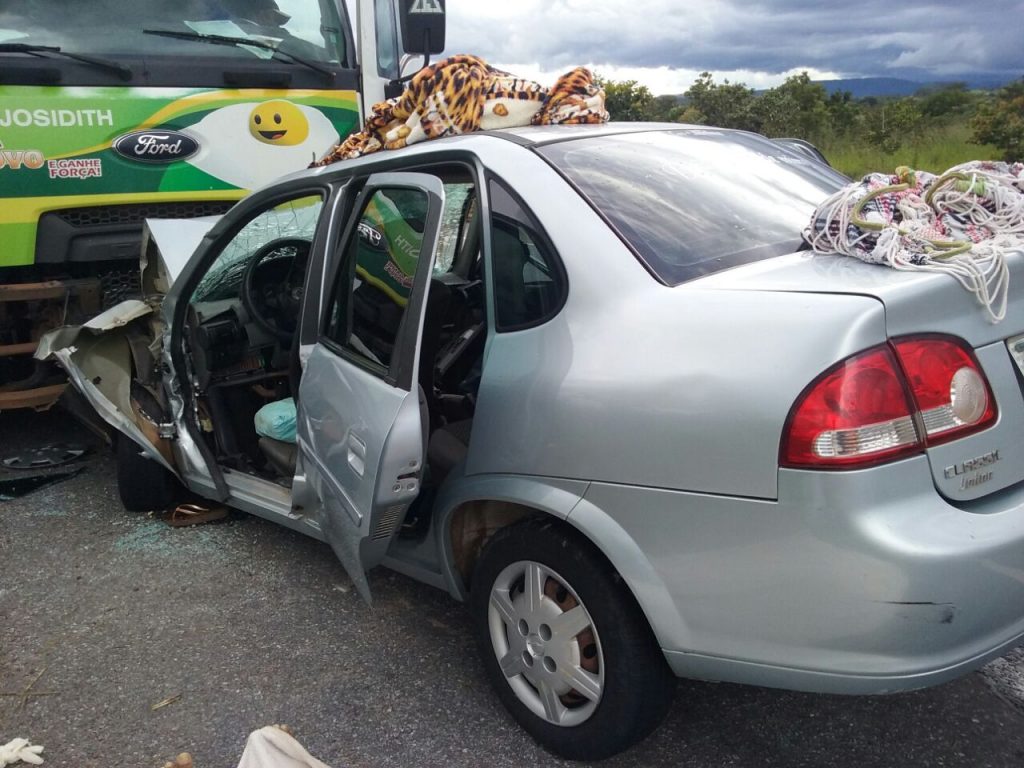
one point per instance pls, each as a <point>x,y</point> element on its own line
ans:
<point>584,685</point>
<point>142,483</point>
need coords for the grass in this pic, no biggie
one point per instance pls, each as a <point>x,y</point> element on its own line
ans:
<point>936,150</point>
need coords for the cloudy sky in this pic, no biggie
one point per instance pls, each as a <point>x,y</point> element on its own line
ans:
<point>665,44</point>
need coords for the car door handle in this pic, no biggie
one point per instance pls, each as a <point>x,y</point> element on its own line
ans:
<point>356,454</point>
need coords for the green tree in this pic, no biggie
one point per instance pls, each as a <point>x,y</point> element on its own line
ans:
<point>665,108</point>
<point>1001,122</point>
<point>626,99</point>
<point>729,105</point>
<point>795,108</point>
<point>945,101</point>
<point>844,114</point>
<point>893,123</point>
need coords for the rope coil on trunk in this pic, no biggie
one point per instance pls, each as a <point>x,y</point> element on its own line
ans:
<point>961,223</point>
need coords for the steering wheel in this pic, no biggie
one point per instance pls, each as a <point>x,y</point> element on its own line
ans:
<point>272,286</point>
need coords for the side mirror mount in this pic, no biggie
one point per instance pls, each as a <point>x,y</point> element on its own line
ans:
<point>422,25</point>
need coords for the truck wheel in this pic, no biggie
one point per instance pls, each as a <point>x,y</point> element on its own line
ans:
<point>142,483</point>
<point>564,643</point>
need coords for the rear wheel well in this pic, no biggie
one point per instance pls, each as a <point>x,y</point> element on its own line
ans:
<point>474,524</point>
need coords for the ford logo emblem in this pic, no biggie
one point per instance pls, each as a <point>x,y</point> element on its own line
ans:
<point>155,146</point>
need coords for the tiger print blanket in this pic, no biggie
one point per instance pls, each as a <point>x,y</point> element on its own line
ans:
<point>462,94</point>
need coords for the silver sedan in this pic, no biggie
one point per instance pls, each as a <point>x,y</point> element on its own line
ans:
<point>590,381</point>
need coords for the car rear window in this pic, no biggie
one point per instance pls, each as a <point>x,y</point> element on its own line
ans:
<point>695,201</point>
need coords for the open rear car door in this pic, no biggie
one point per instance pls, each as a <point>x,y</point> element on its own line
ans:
<point>360,429</point>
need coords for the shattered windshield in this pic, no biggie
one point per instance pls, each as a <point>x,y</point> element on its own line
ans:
<point>306,28</point>
<point>296,218</point>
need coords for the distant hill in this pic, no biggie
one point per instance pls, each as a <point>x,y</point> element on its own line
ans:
<point>894,86</point>
<point>878,87</point>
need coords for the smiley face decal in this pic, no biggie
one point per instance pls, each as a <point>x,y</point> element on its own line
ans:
<point>230,132</point>
<point>278,123</point>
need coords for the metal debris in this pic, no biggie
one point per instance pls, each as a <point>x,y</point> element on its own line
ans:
<point>52,455</point>
<point>16,487</point>
<point>166,702</point>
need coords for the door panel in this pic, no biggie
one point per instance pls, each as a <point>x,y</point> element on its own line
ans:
<point>360,429</point>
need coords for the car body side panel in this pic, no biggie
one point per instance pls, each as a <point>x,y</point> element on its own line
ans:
<point>98,360</point>
<point>850,576</point>
<point>346,419</point>
<point>360,433</point>
<point>632,381</point>
<point>661,389</point>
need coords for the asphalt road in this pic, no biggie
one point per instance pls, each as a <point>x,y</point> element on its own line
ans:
<point>104,614</point>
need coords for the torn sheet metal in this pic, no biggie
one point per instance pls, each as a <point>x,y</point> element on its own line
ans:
<point>16,487</point>
<point>117,316</point>
<point>97,358</point>
<point>112,402</point>
<point>175,240</point>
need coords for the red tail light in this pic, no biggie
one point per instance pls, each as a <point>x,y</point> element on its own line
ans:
<point>873,408</point>
<point>855,414</point>
<point>952,394</point>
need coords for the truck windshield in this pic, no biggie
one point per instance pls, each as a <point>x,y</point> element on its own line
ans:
<point>693,202</point>
<point>310,29</point>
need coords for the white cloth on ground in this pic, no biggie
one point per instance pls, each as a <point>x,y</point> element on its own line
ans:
<point>270,747</point>
<point>20,751</point>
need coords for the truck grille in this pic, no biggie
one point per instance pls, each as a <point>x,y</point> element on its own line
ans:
<point>118,285</point>
<point>136,213</point>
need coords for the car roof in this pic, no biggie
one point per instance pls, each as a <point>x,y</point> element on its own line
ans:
<point>526,136</point>
<point>539,135</point>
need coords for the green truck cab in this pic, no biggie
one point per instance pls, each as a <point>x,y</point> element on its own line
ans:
<point>111,114</point>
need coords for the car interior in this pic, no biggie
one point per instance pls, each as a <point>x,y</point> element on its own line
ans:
<point>243,316</point>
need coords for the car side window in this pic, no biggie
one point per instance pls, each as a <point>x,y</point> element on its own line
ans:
<point>528,280</point>
<point>376,276</point>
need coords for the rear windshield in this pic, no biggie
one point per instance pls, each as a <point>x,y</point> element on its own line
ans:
<point>693,202</point>
<point>308,28</point>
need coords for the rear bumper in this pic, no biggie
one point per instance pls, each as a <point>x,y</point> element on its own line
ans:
<point>852,582</point>
<point>696,666</point>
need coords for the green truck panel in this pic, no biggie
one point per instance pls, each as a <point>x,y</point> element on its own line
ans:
<point>60,148</point>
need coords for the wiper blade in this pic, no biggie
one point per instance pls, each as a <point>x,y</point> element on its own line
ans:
<point>235,41</point>
<point>121,70</point>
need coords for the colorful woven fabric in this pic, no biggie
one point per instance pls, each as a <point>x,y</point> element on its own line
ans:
<point>961,223</point>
